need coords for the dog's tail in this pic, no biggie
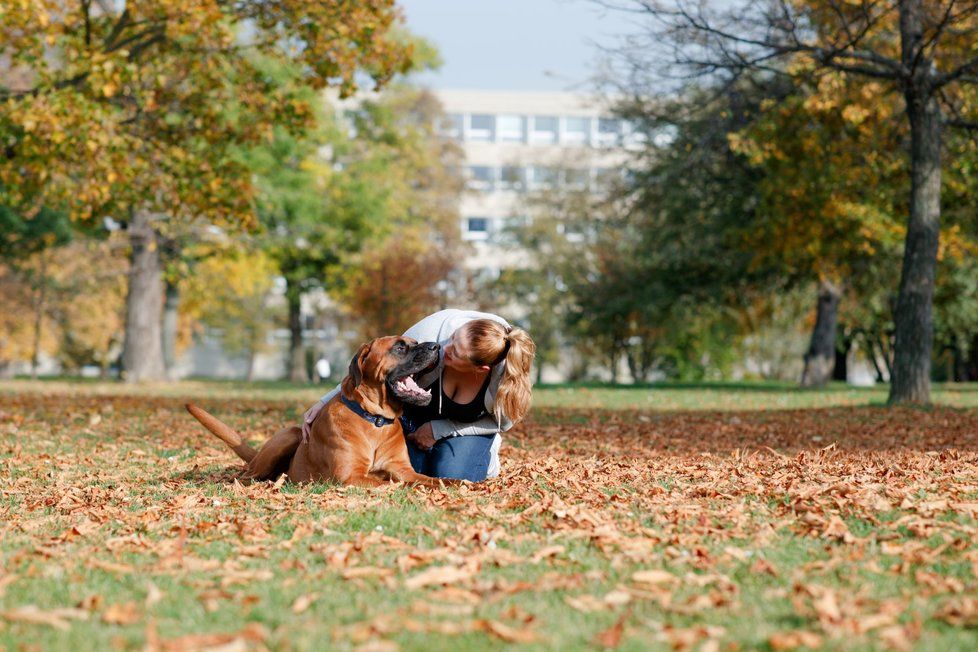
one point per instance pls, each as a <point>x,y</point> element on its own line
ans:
<point>223,432</point>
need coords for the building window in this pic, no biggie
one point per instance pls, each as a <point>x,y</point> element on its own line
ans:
<point>577,131</point>
<point>544,130</point>
<point>348,118</point>
<point>511,128</point>
<point>481,177</point>
<point>511,178</point>
<point>633,135</point>
<point>572,232</point>
<point>476,228</point>
<point>481,127</point>
<point>576,178</point>
<point>606,178</point>
<point>511,229</point>
<point>609,130</point>
<point>453,126</point>
<point>543,177</point>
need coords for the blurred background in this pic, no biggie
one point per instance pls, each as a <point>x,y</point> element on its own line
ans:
<point>652,190</point>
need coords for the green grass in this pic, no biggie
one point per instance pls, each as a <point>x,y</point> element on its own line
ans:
<point>666,396</point>
<point>224,557</point>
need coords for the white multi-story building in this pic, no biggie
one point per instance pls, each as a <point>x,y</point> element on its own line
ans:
<point>519,142</point>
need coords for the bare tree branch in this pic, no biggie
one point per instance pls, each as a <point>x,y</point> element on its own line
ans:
<point>969,125</point>
<point>961,73</point>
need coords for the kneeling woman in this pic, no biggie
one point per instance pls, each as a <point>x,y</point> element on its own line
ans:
<point>480,388</point>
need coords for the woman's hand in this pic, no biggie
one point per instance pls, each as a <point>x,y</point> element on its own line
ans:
<point>307,419</point>
<point>423,437</point>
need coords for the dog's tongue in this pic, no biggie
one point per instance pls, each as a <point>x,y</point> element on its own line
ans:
<point>410,385</point>
<point>407,385</point>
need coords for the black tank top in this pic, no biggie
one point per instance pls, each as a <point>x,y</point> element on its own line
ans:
<point>463,412</point>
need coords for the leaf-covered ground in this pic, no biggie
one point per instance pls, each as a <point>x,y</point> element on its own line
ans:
<point>121,525</point>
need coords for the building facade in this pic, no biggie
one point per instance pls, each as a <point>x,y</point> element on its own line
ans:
<point>517,143</point>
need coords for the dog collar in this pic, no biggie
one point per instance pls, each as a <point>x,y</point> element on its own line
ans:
<point>376,419</point>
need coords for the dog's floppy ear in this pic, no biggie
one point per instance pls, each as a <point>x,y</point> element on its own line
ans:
<point>355,372</point>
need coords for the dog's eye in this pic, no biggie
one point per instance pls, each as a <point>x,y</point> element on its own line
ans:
<point>400,347</point>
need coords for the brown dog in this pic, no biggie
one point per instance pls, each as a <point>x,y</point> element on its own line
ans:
<point>357,437</point>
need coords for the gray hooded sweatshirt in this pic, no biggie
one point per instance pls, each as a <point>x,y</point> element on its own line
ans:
<point>440,327</point>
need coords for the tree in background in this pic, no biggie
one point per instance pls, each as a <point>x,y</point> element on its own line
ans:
<point>829,160</point>
<point>230,292</point>
<point>553,224</point>
<point>921,50</point>
<point>66,301</point>
<point>26,244</point>
<point>400,159</point>
<point>689,202</point>
<point>90,311</point>
<point>133,112</point>
<point>648,267</point>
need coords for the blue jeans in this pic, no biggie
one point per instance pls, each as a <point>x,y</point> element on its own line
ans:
<point>465,457</point>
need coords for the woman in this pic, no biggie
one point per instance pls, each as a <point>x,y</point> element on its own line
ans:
<point>480,388</point>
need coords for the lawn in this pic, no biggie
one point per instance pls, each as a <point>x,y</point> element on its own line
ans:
<point>714,517</point>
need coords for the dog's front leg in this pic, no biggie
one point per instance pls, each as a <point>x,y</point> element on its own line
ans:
<point>356,472</point>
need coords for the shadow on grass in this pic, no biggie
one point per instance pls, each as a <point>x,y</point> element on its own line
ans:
<point>876,428</point>
<point>201,477</point>
<point>770,387</point>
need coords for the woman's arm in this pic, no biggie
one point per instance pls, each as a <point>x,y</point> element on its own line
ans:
<point>310,415</point>
<point>487,425</point>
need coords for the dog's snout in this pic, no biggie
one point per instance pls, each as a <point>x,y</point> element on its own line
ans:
<point>430,346</point>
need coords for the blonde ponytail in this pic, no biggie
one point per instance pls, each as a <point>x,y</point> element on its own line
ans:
<point>514,391</point>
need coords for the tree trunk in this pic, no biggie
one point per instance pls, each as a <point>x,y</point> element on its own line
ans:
<point>630,357</point>
<point>913,317</point>
<point>613,357</point>
<point>142,355</point>
<point>297,357</point>
<point>871,354</point>
<point>820,358</point>
<point>841,370</point>
<point>39,314</point>
<point>957,362</point>
<point>250,373</point>
<point>971,364</point>
<point>170,314</point>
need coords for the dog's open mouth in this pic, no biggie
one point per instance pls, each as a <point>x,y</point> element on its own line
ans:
<point>408,390</point>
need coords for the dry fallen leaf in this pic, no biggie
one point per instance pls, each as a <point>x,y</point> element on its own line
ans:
<point>357,572</point>
<point>654,576</point>
<point>121,614</point>
<point>794,640</point>
<point>153,595</point>
<point>303,602</point>
<point>57,618</point>
<point>252,633</point>
<point>377,646</point>
<point>507,633</point>
<point>438,575</point>
<point>549,551</point>
<point>611,637</point>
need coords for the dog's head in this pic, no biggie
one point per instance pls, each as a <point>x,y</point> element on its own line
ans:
<point>392,365</point>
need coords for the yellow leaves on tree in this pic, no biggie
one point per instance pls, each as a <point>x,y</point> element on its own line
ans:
<point>830,160</point>
<point>138,105</point>
<point>68,301</point>
<point>231,293</point>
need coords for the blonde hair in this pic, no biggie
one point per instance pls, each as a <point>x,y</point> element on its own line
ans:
<point>490,343</point>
